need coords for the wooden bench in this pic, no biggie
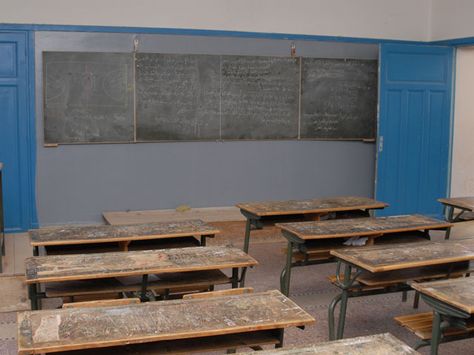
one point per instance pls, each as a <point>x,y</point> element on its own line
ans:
<point>164,285</point>
<point>320,250</point>
<point>391,267</point>
<point>311,243</point>
<point>259,214</point>
<point>101,238</point>
<point>179,270</point>
<point>179,326</point>
<point>380,344</point>
<point>102,303</point>
<point>421,324</point>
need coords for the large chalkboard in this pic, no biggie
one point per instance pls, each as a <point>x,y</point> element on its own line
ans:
<point>260,97</point>
<point>339,98</point>
<point>88,97</point>
<point>177,97</point>
<point>138,97</point>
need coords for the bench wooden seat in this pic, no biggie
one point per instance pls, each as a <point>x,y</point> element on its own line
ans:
<point>389,278</point>
<point>320,249</point>
<point>163,283</point>
<point>420,324</point>
<point>195,345</point>
<point>102,303</point>
<point>182,242</point>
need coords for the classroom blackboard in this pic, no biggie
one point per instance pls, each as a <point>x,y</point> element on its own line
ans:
<point>260,97</point>
<point>88,97</point>
<point>143,97</point>
<point>339,98</point>
<point>177,97</point>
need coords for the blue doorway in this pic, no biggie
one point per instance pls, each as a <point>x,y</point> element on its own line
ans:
<point>414,127</point>
<point>17,131</point>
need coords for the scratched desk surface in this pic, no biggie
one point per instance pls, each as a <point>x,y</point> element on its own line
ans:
<point>101,233</point>
<point>404,256</point>
<point>456,292</point>
<point>361,226</point>
<point>80,328</point>
<point>321,205</point>
<point>380,344</point>
<point>103,265</point>
<point>465,203</point>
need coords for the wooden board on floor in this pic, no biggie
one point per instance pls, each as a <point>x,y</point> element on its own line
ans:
<point>372,344</point>
<point>319,205</point>
<point>465,203</point>
<point>117,264</point>
<point>404,256</point>
<point>207,214</point>
<point>103,234</point>
<point>458,293</point>
<point>343,228</point>
<point>69,329</point>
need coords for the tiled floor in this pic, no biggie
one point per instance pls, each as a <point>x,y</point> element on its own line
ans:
<point>311,290</point>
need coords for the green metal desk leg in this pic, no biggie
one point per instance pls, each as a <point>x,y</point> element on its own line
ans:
<point>435,333</point>
<point>33,295</point>
<point>285,275</point>
<point>281,334</point>
<point>344,299</point>
<point>235,277</point>
<point>248,227</point>
<point>143,297</point>
<point>242,277</point>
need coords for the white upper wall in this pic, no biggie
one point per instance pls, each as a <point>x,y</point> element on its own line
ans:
<point>401,19</point>
<point>452,19</point>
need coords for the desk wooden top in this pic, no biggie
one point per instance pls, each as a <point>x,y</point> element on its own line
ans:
<point>103,265</point>
<point>88,328</point>
<point>404,256</point>
<point>380,344</point>
<point>339,228</point>
<point>455,292</point>
<point>107,233</point>
<point>465,203</point>
<point>319,205</point>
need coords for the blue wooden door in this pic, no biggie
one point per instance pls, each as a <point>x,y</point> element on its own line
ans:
<point>414,127</point>
<point>16,133</point>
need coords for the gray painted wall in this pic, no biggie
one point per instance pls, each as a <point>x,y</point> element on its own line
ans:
<point>76,183</point>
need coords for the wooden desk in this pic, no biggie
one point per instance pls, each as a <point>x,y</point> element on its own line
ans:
<point>61,268</point>
<point>257,213</point>
<point>452,302</point>
<point>123,235</point>
<point>389,262</point>
<point>327,235</point>
<point>168,324</point>
<point>2,221</point>
<point>380,344</point>
<point>465,204</point>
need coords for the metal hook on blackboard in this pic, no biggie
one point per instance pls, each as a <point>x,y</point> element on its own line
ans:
<point>135,44</point>
<point>293,50</point>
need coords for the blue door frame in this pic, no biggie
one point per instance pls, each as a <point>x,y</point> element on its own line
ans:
<point>17,133</point>
<point>413,148</point>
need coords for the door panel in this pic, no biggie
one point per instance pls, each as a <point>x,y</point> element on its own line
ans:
<point>414,127</point>
<point>16,135</point>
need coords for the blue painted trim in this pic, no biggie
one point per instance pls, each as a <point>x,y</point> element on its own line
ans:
<point>196,32</point>
<point>455,42</point>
